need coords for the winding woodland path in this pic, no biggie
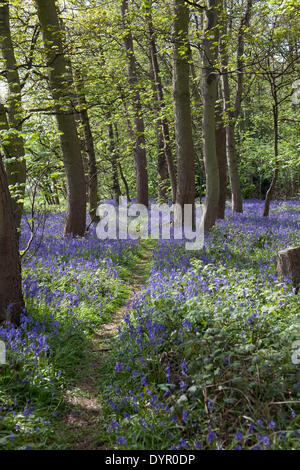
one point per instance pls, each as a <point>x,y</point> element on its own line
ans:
<point>83,419</point>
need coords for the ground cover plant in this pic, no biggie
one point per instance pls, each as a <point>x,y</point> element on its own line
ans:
<point>72,286</point>
<point>203,357</point>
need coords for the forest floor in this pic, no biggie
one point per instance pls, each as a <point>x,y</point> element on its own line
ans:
<point>81,423</point>
<point>204,357</point>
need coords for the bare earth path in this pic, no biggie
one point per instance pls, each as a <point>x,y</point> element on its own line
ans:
<point>83,417</point>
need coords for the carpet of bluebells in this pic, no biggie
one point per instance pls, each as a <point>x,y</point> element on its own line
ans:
<point>203,359</point>
<point>71,287</point>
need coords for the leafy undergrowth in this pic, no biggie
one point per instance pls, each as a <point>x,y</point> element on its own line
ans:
<point>204,358</point>
<point>71,287</point>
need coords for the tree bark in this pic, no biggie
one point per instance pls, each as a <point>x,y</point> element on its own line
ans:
<point>237,200</point>
<point>221,157</point>
<point>124,182</point>
<point>90,149</point>
<point>123,178</point>
<point>114,163</point>
<point>209,96</point>
<point>162,167</point>
<point>276,169</point>
<point>16,169</point>
<point>11,298</point>
<point>183,120</point>
<point>288,265</point>
<point>233,114</point>
<point>61,86</point>
<point>140,146</point>
<point>163,122</point>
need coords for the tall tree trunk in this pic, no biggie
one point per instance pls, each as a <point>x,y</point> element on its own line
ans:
<point>245,21</point>
<point>89,145</point>
<point>163,122</point>
<point>114,163</point>
<point>16,169</point>
<point>221,157</point>
<point>209,96</point>
<point>162,167</point>
<point>183,120</point>
<point>123,178</point>
<point>140,146</point>
<point>124,182</point>
<point>236,193</point>
<point>11,298</point>
<point>276,169</point>
<point>61,86</point>
<point>232,110</point>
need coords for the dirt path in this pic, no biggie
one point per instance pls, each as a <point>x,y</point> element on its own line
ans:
<point>83,415</point>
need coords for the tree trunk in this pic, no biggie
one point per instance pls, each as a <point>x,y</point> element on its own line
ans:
<point>61,86</point>
<point>288,265</point>
<point>209,96</point>
<point>183,120</point>
<point>120,166</point>
<point>114,164</point>
<point>276,169</point>
<point>162,167</point>
<point>11,298</point>
<point>140,146</point>
<point>124,182</point>
<point>16,170</point>
<point>221,157</point>
<point>90,149</point>
<point>163,122</point>
<point>232,110</point>
<point>237,200</point>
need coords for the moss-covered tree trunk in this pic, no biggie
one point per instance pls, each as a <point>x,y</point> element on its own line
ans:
<point>61,87</point>
<point>14,150</point>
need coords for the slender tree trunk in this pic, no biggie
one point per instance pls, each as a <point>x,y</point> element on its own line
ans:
<point>276,169</point>
<point>163,122</point>
<point>162,167</point>
<point>114,163</point>
<point>140,146</point>
<point>16,169</point>
<point>232,110</point>
<point>183,120</point>
<point>61,86</point>
<point>245,21</point>
<point>209,96</point>
<point>196,92</point>
<point>55,191</point>
<point>237,200</point>
<point>120,166</point>
<point>124,182</point>
<point>89,145</point>
<point>11,298</point>
<point>221,157</point>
